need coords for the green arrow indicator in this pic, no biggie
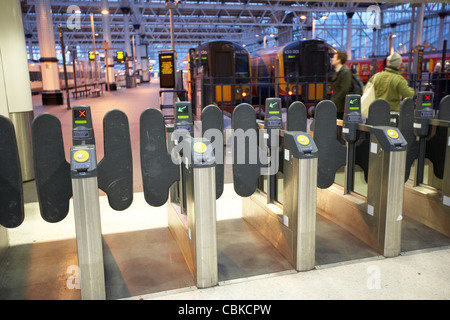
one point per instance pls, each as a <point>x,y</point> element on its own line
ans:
<point>181,109</point>
<point>273,104</point>
<point>352,101</point>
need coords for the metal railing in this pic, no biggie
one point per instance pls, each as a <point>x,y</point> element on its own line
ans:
<point>228,92</point>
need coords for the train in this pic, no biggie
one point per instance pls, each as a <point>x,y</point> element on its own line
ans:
<point>224,73</point>
<point>218,72</point>
<point>85,75</point>
<point>296,71</point>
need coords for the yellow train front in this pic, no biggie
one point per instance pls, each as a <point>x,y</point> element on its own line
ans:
<point>218,73</point>
<point>296,71</point>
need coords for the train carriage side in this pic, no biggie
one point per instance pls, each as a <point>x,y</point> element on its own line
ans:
<point>295,71</point>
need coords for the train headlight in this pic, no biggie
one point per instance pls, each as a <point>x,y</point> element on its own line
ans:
<point>290,92</point>
<point>239,90</point>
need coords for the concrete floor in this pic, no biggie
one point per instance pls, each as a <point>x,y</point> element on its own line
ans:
<point>142,260</point>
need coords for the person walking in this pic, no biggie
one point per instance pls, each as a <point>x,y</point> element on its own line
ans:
<point>341,82</point>
<point>390,85</point>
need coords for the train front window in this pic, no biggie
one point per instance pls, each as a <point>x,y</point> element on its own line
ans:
<point>242,65</point>
<point>291,66</point>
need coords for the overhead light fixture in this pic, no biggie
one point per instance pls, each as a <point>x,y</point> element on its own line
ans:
<point>105,12</point>
<point>256,35</point>
<point>78,11</point>
<point>303,17</point>
<point>272,35</point>
<point>324,17</point>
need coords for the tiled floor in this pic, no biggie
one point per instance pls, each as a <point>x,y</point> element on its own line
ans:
<point>142,260</point>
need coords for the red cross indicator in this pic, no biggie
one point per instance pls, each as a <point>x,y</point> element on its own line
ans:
<point>427,97</point>
<point>81,114</point>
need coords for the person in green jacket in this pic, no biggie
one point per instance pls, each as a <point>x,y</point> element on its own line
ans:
<point>390,85</point>
<point>341,82</point>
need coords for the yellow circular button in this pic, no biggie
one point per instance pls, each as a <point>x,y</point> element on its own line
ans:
<point>392,133</point>
<point>199,147</point>
<point>81,156</point>
<point>302,139</point>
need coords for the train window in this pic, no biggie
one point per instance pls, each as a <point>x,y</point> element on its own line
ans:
<point>291,66</point>
<point>242,65</point>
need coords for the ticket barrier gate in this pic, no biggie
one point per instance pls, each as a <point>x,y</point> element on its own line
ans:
<point>57,181</point>
<point>289,227</point>
<point>188,180</point>
<point>376,218</point>
<point>427,200</point>
<point>11,187</point>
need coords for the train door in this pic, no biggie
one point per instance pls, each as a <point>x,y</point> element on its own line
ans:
<point>314,66</point>
<point>222,70</point>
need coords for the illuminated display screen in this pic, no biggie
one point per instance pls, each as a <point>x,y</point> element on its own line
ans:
<point>79,114</point>
<point>183,110</point>
<point>291,56</point>
<point>167,70</point>
<point>120,55</point>
<point>427,97</point>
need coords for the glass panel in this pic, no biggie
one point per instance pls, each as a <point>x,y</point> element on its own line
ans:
<point>280,191</point>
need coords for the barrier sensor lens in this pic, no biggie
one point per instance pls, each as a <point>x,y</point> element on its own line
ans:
<point>392,133</point>
<point>200,147</point>
<point>81,156</point>
<point>303,140</point>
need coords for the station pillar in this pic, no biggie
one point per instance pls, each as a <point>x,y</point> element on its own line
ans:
<point>349,34</point>
<point>15,88</point>
<point>51,93</point>
<point>109,65</point>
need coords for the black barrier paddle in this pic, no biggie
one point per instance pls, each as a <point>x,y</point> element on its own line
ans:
<point>246,165</point>
<point>212,119</point>
<point>52,171</point>
<point>115,170</point>
<point>159,172</point>
<point>296,117</point>
<point>11,186</point>
<point>379,115</point>
<point>332,154</point>
<point>436,145</point>
<point>406,127</point>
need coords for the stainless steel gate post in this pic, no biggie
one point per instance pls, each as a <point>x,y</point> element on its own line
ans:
<point>300,174</point>
<point>201,212</point>
<point>87,222</point>
<point>386,187</point>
